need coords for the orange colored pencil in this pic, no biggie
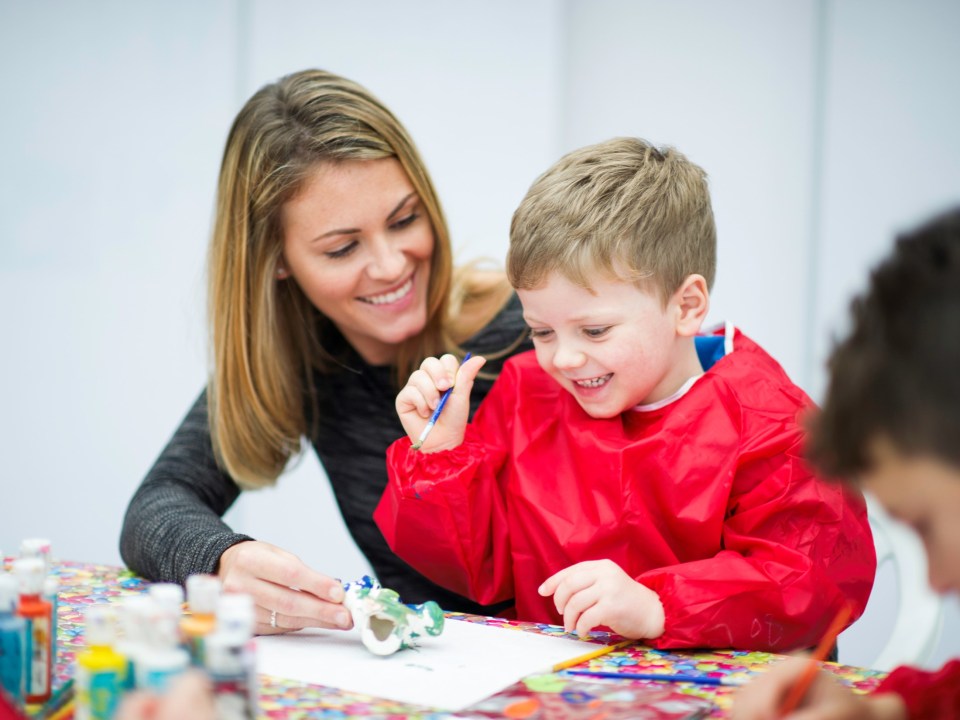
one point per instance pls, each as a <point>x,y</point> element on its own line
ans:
<point>819,655</point>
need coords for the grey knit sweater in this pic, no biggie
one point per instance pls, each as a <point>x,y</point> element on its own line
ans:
<point>173,526</point>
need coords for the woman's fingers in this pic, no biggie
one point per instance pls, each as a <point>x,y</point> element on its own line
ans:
<point>280,583</point>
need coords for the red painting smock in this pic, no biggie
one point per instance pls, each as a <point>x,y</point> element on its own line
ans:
<point>705,500</point>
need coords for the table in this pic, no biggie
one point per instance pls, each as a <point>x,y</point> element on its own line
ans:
<point>83,585</point>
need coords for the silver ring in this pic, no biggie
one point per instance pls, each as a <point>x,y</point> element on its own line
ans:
<point>273,619</point>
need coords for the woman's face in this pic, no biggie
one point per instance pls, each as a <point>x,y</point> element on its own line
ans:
<point>357,241</point>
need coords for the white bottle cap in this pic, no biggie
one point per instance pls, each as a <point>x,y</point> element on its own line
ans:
<point>9,592</point>
<point>30,573</point>
<point>101,626</point>
<point>168,595</point>
<point>203,591</point>
<point>35,548</point>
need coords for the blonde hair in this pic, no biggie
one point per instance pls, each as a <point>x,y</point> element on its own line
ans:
<point>623,208</point>
<point>266,336</point>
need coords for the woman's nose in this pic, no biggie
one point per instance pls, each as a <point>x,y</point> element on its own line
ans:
<point>387,261</point>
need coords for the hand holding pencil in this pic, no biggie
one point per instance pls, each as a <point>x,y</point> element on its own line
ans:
<point>800,689</point>
<point>434,405</point>
<point>825,698</point>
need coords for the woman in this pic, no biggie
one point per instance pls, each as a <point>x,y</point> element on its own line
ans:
<point>330,278</point>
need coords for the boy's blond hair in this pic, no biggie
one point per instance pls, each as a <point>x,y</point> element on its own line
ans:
<point>623,208</point>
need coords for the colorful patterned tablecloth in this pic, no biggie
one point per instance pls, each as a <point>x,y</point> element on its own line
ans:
<point>83,585</point>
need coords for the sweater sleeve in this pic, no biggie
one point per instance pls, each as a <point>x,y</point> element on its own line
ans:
<point>927,695</point>
<point>794,549</point>
<point>173,526</point>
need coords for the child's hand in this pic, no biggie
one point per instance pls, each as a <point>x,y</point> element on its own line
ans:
<point>826,699</point>
<point>598,592</point>
<point>419,398</point>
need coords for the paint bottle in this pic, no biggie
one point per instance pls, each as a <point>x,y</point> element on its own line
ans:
<point>161,658</point>
<point>229,659</point>
<point>169,597</point>
<point>203,592</point>
<point>134,615</point>
<point>100,668</point>
<point>12,639</point>
<point>42,548</point>
<point>37,612</point>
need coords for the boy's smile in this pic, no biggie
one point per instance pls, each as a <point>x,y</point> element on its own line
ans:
<point>613,348</point>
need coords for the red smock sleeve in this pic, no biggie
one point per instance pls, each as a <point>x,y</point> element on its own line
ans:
<point>927,695</point>
<point>444,512</point>
<point>794,549</point>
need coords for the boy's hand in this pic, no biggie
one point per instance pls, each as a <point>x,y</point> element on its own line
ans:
<point>419,398</point>
<point>826,699</point>
<point>599,592</point>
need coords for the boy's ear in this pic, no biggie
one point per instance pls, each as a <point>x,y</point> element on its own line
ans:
<point>692,302</point>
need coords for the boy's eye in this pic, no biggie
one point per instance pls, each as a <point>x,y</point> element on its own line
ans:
<point>405,221</point>
<point>539,333</point>
<point>595,332</point>
<point>342,251</point>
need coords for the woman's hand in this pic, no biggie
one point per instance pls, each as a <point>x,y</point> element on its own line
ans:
<point>599,592</point>
<point>280,583</point>
<point>419,398</point>
<point>825,699</point>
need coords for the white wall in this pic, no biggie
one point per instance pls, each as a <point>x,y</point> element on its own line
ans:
<point>824,127</point>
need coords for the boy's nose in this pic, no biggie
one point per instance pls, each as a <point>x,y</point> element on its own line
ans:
<point>568,358</point>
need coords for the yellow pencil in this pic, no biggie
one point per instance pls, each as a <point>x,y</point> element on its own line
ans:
<point>602,650</point>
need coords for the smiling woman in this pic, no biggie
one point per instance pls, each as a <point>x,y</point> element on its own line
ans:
<point>368,274</point>
<point>330,277</point>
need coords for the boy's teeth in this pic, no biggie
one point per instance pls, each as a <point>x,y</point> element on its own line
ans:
<point>391,296</point>
<point>593,382</point>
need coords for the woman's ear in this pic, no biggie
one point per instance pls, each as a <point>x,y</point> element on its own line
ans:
<point>692,300</point>
<point>282,272</point>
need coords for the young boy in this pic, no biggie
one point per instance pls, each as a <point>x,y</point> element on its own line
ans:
<point>642,477</point>
<point>892,421</point>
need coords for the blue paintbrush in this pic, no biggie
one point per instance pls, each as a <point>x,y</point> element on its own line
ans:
<point>436,413</point>
<point>662,677</point>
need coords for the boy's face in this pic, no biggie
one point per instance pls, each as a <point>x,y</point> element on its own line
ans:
<point>923,492</point>
<point>611,349</point>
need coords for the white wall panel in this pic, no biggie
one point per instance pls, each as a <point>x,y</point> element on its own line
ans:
<point>731,85</point>
<point>109,138</point>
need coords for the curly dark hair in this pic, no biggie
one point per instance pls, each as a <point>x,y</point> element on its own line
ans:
<point>896,376</point>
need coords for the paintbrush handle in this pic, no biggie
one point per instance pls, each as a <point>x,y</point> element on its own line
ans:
<point>659,677</point>
<point>436,413</point>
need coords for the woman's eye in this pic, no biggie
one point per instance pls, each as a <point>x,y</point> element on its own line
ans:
<point>539,334</point>
<point>342,251</point>
<point>596,332</point>
<point>405,221</point>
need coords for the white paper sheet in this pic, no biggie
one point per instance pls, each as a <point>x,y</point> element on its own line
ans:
<point>465,664</point>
